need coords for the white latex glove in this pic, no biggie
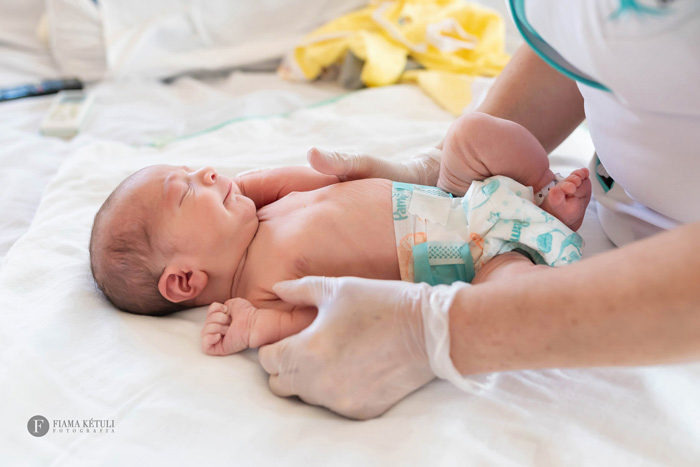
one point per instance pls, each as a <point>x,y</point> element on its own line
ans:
<point>421,169</point>
<point>366,350</point>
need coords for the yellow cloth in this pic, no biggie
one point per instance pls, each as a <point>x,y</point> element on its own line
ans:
<point>452,40</point>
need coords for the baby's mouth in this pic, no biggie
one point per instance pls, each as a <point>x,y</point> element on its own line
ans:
<point>230,185</point>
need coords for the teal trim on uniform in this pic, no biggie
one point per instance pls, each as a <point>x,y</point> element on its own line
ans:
<point>633,6</point>
<point>599,178</point>
<point>545,51</point>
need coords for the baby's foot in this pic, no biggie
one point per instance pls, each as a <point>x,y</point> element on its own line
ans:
<point>568,199</point>
<point>226,329</point>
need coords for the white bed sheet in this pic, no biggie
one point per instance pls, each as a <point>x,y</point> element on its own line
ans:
<point>68,355</point>
<point>136,112</point>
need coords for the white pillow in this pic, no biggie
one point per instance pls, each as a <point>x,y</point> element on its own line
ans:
<point>161,38</point>
<point>19,22</point>
<point>74,30</point>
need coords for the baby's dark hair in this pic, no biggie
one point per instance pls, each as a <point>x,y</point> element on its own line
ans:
<point>124,259</point>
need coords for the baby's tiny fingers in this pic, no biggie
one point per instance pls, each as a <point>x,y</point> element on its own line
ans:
<point>214,328</point>
<point>208,342</point>
<point>219,317</point>
<point>217,307</point>
<point>212,339</point>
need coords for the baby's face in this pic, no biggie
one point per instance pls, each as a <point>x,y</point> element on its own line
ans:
<point>200,213</point>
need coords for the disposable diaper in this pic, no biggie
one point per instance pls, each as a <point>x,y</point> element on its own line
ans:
<point>441,239</point>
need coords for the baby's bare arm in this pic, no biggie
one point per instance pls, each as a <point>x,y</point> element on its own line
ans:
<point>237,325</point>
<point>267,186</point>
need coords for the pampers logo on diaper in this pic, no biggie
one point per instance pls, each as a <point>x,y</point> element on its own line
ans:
<point>517,230</point>
<point>401,200</point>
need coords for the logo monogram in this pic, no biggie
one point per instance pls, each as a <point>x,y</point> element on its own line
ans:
<point>38,426</point>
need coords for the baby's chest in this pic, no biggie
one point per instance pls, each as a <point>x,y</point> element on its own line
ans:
<point>275,256</point>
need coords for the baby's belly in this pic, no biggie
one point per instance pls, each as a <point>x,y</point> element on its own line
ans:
<point>341,230</point>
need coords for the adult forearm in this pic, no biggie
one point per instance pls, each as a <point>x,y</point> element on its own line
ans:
<point>533,94</point>
<point>636,305</point>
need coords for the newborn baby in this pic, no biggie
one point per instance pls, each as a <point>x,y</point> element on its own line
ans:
<point>170,238</point>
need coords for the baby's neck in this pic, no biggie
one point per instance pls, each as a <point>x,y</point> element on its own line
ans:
<point>236,280</point>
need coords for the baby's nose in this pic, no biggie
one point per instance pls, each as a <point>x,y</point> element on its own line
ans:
<point>209,175</point>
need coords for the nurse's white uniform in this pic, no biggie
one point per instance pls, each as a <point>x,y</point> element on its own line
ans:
<point>638,67</point>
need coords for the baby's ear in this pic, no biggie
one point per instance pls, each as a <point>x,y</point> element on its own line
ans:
<point>179,284</point>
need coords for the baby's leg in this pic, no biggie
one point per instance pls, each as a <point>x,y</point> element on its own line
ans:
<point>237,325</point>
<point>478,146</point>
<point>505,266</point>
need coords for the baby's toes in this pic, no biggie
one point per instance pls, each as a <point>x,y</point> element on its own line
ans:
<point>576,180</point>
<point>581,173</point>
<point>584,191</point>
<point>556,195</point>
<point>569,186</point>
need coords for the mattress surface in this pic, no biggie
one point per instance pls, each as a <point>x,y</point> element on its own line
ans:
<point>70,357</point>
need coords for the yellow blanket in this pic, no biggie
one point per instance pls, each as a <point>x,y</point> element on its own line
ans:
<point>451,40</point>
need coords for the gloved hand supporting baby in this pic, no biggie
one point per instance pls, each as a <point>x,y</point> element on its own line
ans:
<point>372,343</point>
<point>421,169</point>
<point>430,166</point>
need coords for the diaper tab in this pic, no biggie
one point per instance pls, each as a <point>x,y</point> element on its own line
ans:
<point>430,206</point>
<point>443,263</point>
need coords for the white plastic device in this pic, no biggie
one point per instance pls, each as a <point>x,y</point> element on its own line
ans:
<point>67,113</point>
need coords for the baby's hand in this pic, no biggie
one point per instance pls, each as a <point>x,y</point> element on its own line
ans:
<point>226,329</point>
<point>236,325</point>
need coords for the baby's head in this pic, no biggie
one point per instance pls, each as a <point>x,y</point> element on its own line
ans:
<point>169,238</point>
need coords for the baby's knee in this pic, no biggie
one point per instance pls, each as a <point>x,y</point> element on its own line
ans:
<point>477,136</point>
<point>473,125</point>
<point>470,139</point>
